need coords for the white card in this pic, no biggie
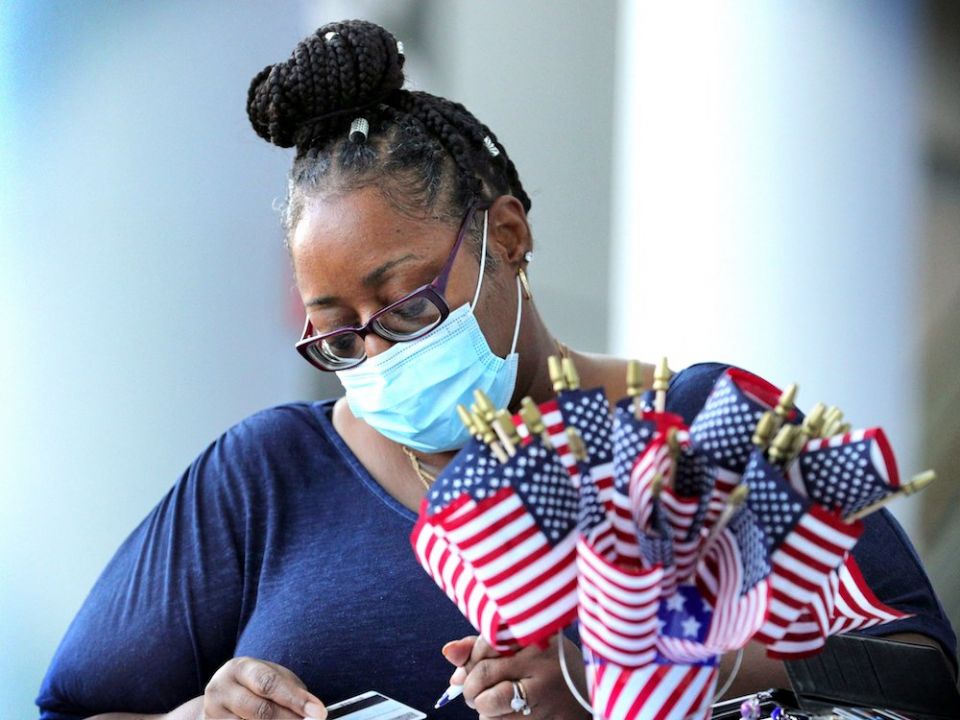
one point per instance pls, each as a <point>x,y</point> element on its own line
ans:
<point>372,706</point>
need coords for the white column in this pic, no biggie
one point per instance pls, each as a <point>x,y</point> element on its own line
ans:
<point>766,198</point>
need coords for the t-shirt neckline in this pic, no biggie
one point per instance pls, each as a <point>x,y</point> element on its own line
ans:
<point>325,417</point>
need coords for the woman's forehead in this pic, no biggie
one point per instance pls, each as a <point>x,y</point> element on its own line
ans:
<point>361,222</point>
<point>353,242</point>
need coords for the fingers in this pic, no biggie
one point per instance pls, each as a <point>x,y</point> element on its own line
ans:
<point>278,684</point>
<point>465,654</point>
<point>260,690</point>
<point>458,651</point>
<point>481,651</point>
<point>486,675</point>
<point>239,702</point>
<point>495,701</point>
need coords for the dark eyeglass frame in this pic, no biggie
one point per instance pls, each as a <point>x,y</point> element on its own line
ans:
<point>432,291</point>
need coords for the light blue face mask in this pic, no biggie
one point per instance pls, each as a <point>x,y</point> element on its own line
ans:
<point>410,392</point>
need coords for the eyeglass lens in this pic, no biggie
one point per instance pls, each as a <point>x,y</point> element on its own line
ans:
<point>409,320</point>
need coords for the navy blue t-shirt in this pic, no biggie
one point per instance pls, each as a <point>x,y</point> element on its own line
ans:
<point>277,544</point>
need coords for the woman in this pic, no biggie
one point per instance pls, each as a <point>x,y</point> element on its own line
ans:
<point>276,575</point>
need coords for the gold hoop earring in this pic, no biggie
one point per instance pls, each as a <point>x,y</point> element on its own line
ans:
<point>524,283</point>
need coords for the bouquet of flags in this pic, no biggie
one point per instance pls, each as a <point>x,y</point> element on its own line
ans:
<point>668,544</point>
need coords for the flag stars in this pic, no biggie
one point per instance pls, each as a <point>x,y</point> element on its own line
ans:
<point>690,627</point>
<point>676,602</point>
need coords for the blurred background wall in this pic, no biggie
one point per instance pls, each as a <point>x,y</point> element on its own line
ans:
<point>772,184</point>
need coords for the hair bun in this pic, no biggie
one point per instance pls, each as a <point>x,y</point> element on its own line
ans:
<point>342,67</point>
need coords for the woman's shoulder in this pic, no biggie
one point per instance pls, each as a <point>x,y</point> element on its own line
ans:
<point>280,441</point>
<point>690,387</point>
<point>281,424</point>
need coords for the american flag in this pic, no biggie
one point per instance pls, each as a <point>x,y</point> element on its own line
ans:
<point>557,430</point>
<point>651,533</point>
<point>618,608</point>
<point>641,453</point>
<point>596,522</point>
<point>846,472</point>
<point>662,525</point>
<point>734,577</point>
<point>693,483</point>
<point>855,606</point>
<point>630,438</point>
<point>665,689</point>
<point>617,601</point>
<point>589,412</point>
<point>685,620</point>
<point>842,604</point>
<point>457,579</point>
<point>514,528</point>
<point>804,543</point>
<point>723,429</point>
<point>686,495</point>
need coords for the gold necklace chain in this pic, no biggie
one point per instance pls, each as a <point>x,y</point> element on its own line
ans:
<point>425,478</point>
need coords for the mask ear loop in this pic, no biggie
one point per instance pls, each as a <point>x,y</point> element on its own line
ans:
<point>483,261</point>
<point>516,328</point>
<point>476,295</point>
<point>566,675</point>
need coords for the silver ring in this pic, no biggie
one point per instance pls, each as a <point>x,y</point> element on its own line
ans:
<point>519,701</point>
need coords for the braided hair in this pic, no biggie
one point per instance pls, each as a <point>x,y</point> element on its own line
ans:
<point>426,154</point>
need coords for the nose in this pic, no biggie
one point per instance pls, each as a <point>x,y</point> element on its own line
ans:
<point>373,344</point>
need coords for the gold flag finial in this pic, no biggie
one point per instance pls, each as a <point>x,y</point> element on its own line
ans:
<point>467,419</point>
<point>832,420</point>
<point>490,438</point>
<point>555,368</point>
<point>485,405</point>
<point>813,422</point>
<point>634,378</point>
<point>570,373</point>
<point>635,386</point>
<point>506,431</point>
<point>763,433</point>
<point>786,402</point>
<point>782,445</point>
<point>661,382</point>
<point>673,442</point>
<point>918,483</point>
<point>576,444</point>
<point>656,485</point>
<point>532,418</point>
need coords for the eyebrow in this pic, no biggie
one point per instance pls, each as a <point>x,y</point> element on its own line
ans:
<point>372,278</point>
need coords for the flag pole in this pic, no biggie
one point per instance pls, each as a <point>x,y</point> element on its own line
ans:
<point>489,412</point>
<point>490,438</point>
<point>507,431</point>
<point>918,483</point>
<point>737,498</point>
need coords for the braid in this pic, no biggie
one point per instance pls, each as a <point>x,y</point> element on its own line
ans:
<point>427,154</point>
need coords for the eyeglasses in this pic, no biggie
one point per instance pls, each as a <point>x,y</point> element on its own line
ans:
<point>409,318</point>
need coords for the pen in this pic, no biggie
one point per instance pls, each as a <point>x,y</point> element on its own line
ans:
<point>452,693</point>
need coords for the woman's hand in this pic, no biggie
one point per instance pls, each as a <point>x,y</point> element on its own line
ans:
<point>253,689</point>
<point>487,679</point>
